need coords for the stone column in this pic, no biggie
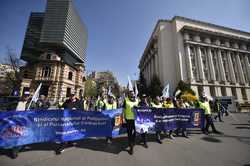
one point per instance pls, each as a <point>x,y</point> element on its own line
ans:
<point>152,66</point>
<point>211,65</point>
<point>150,69</point>
<point>222,71</point>
<point>155,62</point>
<point>247,67</point>
<point>200,64</point>
<point>241,74</point>
<point>147,72</point>
<point>189,63</point>
<point>231,69</point>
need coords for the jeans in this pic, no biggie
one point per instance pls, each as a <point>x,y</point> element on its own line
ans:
<point>131,131</point>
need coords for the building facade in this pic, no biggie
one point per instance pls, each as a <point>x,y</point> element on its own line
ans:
<point>54,49</point>
<point>213,59</point>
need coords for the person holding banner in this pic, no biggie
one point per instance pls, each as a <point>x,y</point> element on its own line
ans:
<point>144,103</point>
<point>157,104</point>
<point>73,104</point>
<point>110,104</point>
<point>21,106</point>
<point>180,104</point>
<point>129,115</point>
<point>100,103</point>
<point>42,102</point>
<point>168,103</point>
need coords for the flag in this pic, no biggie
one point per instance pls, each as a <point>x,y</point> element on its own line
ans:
<point>130,85</point>
<point>110,91</point>
<point>177,92</point>
<point>165,91</point>
<point>35,96</point>
<point>136,89</point>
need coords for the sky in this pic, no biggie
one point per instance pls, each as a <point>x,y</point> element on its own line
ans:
<point>118,30</point>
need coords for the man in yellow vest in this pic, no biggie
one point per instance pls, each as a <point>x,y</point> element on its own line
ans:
<point>157,104</point>
<point>168,103</point>
<point>129,115</point>
<point>110,104</point>
<point>100,103</point>
<point>204,104</point>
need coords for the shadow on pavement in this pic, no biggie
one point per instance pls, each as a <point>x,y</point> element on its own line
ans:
<point>240,124</point>
<point>118,144</point>
<point>5,152</point>
<point>211,139</point>
<point>243,139</point>
<point>32,147</point>
<point>243,127</point>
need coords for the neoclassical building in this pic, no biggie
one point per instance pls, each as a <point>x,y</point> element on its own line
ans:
<point>54,49</point>
<point>213,59</point>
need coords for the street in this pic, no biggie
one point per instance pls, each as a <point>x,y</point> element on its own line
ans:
<point>230,149</point>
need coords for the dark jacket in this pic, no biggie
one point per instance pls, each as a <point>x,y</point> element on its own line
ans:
<point>70,104</point>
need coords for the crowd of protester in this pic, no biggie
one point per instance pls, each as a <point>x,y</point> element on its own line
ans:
<point>128,102</point>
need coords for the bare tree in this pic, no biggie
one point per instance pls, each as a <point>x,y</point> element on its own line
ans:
<point>13,78</point>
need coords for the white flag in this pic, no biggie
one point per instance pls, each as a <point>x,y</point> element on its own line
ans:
<point>136,89</point>
<point>177,92</point>
<point>110,91</point>
<point>165,91</point>
<point>130,85</point>
<point>36,95</point>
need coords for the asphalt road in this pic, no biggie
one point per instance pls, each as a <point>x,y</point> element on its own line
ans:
<point>230,149</point>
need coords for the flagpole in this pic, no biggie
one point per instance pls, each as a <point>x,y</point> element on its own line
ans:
<point>35,96</point>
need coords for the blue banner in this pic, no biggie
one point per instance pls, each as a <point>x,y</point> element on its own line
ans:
<point>20,128</point>
<point>152,119</point>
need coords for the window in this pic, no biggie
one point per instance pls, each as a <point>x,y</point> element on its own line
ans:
<point>44,90</point>
<point>236,73</point>
<point>242,61</point>
<point>193,61</point>
<point>81,93</point>
<point>212,91</point>
<point>204,62</point>
<point>68,92</point>
<point>48,56</point>
<point>46,71</point>
<point>25,74</point>
<point>243,92</point>
<point>215,62</point>
<point>225,65</point>
<point>234,92</point>
<point>200,91</point>
<point>191,37</point>
<point>70,76</point>
<point>202,39</point>
<point>223,91</point>
<point>223,43</point>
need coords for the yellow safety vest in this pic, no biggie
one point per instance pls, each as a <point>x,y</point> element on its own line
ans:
<point>128,110</point>
<point>168,105</point>
<point>99,104</point>
<point>206,107</point>
<point>110,106</point>
<point>156,105</point>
